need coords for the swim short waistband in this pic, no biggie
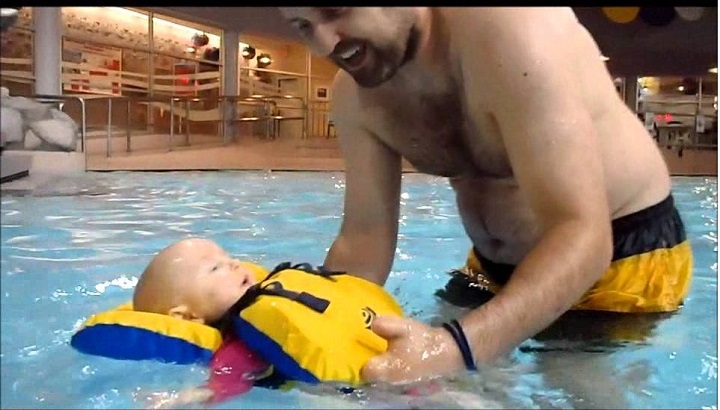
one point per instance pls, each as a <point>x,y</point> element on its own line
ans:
<point>655,227</point>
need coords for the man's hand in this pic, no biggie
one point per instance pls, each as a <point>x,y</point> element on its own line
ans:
<point>415,351</point>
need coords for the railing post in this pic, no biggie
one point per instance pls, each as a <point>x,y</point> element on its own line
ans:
<point>109,129</point>
<point>187,121</point>
<point>128,132</point>
<point>172,123</point>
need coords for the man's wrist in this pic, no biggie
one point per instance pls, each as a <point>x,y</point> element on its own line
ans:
<point>480,327</point>
<point>452,358</point>
<point>457,333</point>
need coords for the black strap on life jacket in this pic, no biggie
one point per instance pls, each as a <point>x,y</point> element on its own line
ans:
<point>266,287</point>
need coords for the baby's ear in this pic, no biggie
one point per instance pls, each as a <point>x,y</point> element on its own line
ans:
<point>183,312</point>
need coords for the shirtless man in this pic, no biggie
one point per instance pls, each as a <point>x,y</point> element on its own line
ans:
<point>562,192</point>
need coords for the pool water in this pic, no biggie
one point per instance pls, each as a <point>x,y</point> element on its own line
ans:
<point>75,247</point>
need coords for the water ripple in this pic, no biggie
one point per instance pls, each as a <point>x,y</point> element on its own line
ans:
<point>77,247</point>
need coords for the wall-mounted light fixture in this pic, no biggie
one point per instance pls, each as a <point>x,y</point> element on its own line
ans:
<point>9,11</point>
<point>248,52</point>
<point>264,60</point>
<point>200,40</point>
<point>690,86</point>
<point>713,70</point>
<point>212,54</point>
<point>8,17</point>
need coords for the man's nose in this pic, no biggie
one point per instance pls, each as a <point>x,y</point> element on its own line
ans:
<point>326,38</point>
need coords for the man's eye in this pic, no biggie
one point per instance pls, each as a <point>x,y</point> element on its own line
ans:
<point>303,25</point>
<point>216,267</point>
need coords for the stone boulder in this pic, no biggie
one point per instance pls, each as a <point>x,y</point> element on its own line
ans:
<point>32,142</point>
<point>31,125</point>
<point>61,116</point>
<point>55,132</point>
<point>11,125</point>
<point>31,110</point>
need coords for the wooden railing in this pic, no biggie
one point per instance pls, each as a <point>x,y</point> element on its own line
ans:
<point>17,70</point>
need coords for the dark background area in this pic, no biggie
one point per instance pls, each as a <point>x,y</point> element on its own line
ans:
<point>681,48</point>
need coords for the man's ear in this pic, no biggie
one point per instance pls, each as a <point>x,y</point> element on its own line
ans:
<point>183,312</point>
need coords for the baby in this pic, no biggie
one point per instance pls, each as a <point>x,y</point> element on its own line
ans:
<point>196,280</point>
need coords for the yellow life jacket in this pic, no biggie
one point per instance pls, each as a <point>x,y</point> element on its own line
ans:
<point>313,325</point>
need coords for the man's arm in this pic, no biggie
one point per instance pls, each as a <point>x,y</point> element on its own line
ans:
<point>366,243</point>
<point>555,155</point>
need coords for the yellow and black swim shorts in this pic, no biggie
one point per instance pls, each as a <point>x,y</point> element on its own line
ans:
<point>650,271</point>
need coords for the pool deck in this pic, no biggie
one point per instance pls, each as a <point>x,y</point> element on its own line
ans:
<point>207,153</point>
<point>315,154</point>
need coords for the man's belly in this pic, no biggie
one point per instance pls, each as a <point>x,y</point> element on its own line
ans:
<point>497,218</point>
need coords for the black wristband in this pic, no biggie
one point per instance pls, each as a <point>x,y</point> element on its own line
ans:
<point>456,331</point>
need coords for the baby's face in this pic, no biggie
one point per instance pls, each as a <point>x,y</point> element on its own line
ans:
<point>212,280</point>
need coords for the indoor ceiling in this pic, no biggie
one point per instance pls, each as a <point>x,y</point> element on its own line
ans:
<point>682,48</point>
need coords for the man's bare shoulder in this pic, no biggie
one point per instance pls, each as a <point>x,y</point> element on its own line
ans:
<point>346,98</point>
<point>500,43</point>
<point>467,23</point>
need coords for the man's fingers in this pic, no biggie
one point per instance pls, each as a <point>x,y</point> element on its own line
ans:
<point>390,327</point>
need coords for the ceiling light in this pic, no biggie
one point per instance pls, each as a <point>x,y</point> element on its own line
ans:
<point>604,58</point>
<point>713,70</point>
<point>190,50</point>
<point>9,11</point>
<point>681,88</point>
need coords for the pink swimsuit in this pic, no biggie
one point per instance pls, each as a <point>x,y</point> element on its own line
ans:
<point>234,369</point>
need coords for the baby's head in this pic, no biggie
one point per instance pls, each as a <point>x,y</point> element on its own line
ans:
<point>194,279</point>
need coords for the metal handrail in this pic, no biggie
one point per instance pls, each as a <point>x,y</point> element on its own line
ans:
<point>260,100</point>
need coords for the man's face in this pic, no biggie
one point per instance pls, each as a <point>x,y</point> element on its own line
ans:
<point>370,43</point>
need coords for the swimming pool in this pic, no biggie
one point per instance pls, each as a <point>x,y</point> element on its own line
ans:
<point>76,247</point>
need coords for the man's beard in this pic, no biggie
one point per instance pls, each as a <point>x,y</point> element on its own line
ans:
<point>381,64</point>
